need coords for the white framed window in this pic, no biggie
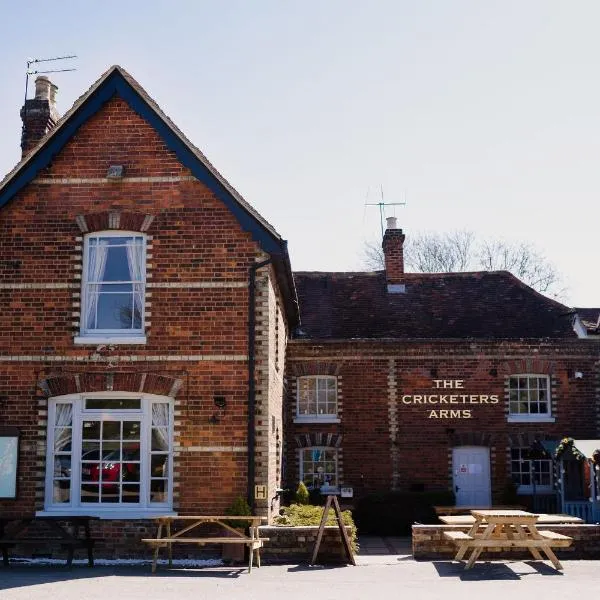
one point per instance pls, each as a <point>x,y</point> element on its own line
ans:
<point>317,399</point>
<point>109,453</point>
<point>529,398</point>
<point>113,288</point>
<point>528,471</point>
<point>319,468</point>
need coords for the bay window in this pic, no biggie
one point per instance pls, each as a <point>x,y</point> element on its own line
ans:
<point>109,452</point>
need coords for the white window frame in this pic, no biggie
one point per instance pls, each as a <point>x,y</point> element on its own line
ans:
<point>79,413</point>
<point>531,417</point>
<point>109,336</point>
<point>523,489</point>
<point>316,417</point>
<point>329,489</point>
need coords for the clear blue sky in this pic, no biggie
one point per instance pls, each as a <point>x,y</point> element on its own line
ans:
<point>484,114</point>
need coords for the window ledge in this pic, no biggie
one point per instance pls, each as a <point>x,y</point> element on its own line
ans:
<point>109,514</point>
<point>317,419</point>
<point>540,490</point>
<point>530,419</point>
<point>108,339</point>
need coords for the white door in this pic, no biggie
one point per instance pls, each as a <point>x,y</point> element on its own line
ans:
<point>471,469</point>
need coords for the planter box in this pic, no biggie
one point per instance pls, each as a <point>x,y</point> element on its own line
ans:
<point>296,544</point>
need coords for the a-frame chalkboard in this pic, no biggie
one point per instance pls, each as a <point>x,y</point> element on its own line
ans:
<point>338,515</point>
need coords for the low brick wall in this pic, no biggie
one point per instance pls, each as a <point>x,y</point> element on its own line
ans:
<point>296,544</point>
<point>428,542</point>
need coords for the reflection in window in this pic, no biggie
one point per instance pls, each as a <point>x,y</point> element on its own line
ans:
<point>318,468</point>
<point>317,397</point>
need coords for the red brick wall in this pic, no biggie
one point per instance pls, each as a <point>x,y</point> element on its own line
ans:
<point>203,330</point>
<point>376,375</point>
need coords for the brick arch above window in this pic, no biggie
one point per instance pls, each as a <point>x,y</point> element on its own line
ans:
<point>527,365</point>
<point>126,221</point>
<point>471,438</point>
<point>88,382</point>
<point>308,440</point>
<point>316,368</point>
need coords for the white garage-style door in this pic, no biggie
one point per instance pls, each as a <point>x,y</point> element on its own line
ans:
<point>471,469</point>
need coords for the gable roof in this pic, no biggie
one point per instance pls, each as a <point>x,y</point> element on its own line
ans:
<point>117,81</point>
<point>487,305</point>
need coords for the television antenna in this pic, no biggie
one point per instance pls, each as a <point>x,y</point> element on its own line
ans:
<point>35,61</point>
<point>382,206</point>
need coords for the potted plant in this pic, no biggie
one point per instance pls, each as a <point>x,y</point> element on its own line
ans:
<point>236,552</point>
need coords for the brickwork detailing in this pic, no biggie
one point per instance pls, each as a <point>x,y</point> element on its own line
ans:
<point>107,180</point>
<point>197,294</point>
<point>372,371</point>
<point>393,422</point>
<point>308,440</point>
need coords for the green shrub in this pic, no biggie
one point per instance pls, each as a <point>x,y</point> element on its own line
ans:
<point>303,515</point>
<point>393,513</point>
<point>302,494</point>
<point>239,507</point>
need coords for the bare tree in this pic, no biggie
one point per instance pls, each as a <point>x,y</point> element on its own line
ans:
<point>458,251</point>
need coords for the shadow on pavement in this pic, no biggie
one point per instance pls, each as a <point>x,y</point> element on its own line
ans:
<point>23,576</point>
<point>490,571</point>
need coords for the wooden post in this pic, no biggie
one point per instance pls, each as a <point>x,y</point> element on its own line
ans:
<point>338,515</point>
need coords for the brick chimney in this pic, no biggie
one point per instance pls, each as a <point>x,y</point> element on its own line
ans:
<point>39,115</point>
<point>393,242</point>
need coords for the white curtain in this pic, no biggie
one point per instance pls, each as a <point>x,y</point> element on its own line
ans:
<point>63,429</point>
<point>160,424</point>
<point>97,257</point>
<point>135,262</point>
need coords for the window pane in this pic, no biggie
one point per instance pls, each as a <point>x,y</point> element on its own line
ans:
<point>90,451</point>
<point>111,430</point>
<point>63,415</point>
<point>113,404</point>
<point>62,467</point>
<point>130,472</point>
<point>61,492</point>
<point>90,471</point>
<point>91,430</point>
<point>160,438</point>
<point>131,493</point>
<point>116,268</point>
<point>159,465</point>
<point>131,430</point>
<point>62,439</point>
<point>114,311</point>
<point>158,490</point>
<point>131,451</point>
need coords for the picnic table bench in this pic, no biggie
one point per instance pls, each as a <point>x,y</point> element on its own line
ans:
<point>252,540</point>
<point>68,531</point>
<point>493,529</point>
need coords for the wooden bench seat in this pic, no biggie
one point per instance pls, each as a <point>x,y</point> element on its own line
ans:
<point>458,536</point>
<point>557,539</point>
<point>207,540</point>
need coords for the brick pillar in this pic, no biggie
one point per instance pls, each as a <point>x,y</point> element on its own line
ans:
<point>393,242</point>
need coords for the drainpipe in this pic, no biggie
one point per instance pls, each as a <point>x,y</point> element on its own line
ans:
<point>251,372</point>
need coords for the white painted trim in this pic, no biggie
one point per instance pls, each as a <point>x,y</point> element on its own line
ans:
<point>317,419</point>
<point>79,414</point>
<point>94,340</point>
<point>110,514</point>
<point>531,418</point>
<point>117,335</point>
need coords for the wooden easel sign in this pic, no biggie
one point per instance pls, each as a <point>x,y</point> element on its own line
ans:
<point>338,516</point>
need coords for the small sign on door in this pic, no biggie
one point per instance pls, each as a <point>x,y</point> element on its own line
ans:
<point>463,469</point>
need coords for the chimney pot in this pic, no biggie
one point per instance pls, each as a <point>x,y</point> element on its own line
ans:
<point>42,88</point>
<point>39,114</point>
<point>391,223</point>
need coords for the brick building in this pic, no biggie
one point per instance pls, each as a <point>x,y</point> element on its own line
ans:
<point>405,381</point>
<point>154,349</point>
<point>135,282</point>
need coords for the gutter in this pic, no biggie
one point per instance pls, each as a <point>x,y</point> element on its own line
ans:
<point>251,377</point>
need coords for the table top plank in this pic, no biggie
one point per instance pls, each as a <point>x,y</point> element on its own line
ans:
<point>209,518</point>
<point>543,519</point>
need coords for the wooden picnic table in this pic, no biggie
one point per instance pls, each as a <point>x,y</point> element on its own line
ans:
<point>543,519</point>
<point>493,529</point>
<point>166,536</point>
<point>69,531</point>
